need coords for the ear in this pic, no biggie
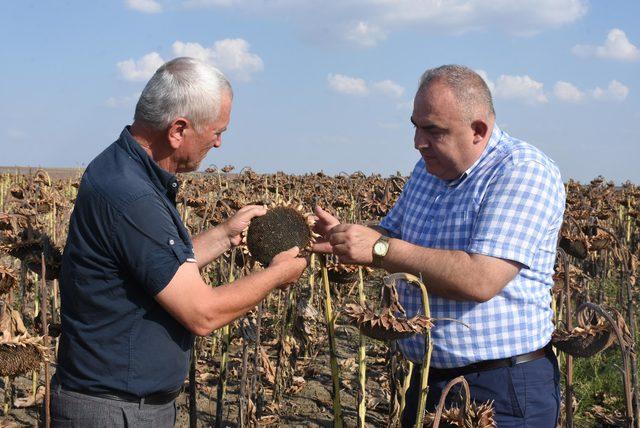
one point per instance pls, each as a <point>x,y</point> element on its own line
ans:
<point>480,130</point>
<point>176,131</point>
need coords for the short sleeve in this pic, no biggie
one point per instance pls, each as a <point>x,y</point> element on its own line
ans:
<point>519,209</point>
<point>392,222</point>
<point>148,244</point>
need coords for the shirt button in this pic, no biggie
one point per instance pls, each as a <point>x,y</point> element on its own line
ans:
<point>174,184</point>
<point>171,242</point>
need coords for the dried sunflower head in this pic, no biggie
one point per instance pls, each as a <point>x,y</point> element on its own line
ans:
<point>476,416</point>
<point>8,279</point>
<point>385,325</point>
<point>20,355</point>
<point>281,228</point>
<point>341,273</point>
<point>591,336</point>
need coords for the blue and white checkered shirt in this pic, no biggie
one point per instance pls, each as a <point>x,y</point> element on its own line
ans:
<point>510,205</point>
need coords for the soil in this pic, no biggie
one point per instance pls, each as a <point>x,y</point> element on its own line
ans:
<point>305,405</point>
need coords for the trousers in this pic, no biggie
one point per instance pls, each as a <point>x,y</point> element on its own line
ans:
<point>524,395</point>
<point>70,409</point>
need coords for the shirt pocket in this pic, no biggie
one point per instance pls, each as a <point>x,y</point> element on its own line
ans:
<point>455,230</point>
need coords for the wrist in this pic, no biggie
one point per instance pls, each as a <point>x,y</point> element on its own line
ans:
<point>227,238</point>
<point>380,250</point>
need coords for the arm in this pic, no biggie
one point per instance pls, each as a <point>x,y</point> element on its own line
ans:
<point>519,209</point>
<point>202,309</point>
<point>452,274</point>
<point>210,244</point>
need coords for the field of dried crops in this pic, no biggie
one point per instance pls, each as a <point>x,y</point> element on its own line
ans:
<point>285,364</point>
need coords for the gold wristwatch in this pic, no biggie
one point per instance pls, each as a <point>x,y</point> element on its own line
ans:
<point>380,249</point>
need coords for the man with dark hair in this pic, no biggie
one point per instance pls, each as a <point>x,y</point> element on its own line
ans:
<point>479,220</point>
<point>132,297</point>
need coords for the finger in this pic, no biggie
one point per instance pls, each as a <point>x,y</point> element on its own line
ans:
<point>338,238</point>
<point>325,216</point>
<point>253,210</point>
<point>322,247</point>
<point>341,250</point>
<point>292,252</point>
<point>342,227</point>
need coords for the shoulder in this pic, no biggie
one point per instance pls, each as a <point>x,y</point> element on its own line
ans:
<point>517,154</point>
<point>114,177</point>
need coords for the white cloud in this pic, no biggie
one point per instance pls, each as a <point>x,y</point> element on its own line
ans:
<point>364,34</point>
<point>565,91</point>
<point>232,56</point>
<point>211,3</point>
<point>16,135</point>
<point>126,101</point>
<point>616,47</point>
<point>347,85</point>
<point>367,22</point>
<point>522,88</point>
<point>356,86</point>
<point>389,88</point>
<point>616,91</point>
<point>142,69</point>
<point>145,6</point>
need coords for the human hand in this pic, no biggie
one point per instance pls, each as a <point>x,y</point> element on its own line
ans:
<point>324,223</point>
<point>290,265</point>
<point>234,226</point>
<point>353,243</point>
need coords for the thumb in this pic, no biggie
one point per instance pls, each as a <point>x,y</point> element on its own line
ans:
<point>293,252</point>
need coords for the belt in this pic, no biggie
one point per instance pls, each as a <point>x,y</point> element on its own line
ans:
<point>157,398</point>
<point>482,366</point>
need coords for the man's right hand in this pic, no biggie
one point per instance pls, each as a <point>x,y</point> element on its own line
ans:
<point>290,266</point>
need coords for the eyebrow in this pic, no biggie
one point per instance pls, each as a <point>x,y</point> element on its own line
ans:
<point>428,127</point>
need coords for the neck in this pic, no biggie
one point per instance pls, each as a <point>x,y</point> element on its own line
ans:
<point>156,146</point>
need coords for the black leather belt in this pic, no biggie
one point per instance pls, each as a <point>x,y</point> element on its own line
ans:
<point>157,398</point>
<point>482,366</point>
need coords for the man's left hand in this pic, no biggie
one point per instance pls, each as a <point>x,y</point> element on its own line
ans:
<point>234,226</point>
<point>353,243</point>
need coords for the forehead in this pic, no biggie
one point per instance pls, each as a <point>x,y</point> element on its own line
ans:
<point>435,101</point>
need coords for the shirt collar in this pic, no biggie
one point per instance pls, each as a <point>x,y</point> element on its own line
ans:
<point>496,135</point>
<point>166,182</point>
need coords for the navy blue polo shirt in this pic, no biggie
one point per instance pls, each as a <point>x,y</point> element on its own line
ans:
<point>126,241</point>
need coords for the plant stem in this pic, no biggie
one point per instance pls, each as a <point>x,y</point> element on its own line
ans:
<point>335,375</point>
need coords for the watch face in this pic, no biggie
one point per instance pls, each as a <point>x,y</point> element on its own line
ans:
<point>380,248</point>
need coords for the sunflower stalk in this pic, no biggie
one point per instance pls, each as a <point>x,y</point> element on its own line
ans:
<point>226,339</point>
<point>45,328</point>
<point>330,319</point>
<point>362,364</point>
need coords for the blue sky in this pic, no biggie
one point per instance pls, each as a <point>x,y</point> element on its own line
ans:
<point>325,85</point>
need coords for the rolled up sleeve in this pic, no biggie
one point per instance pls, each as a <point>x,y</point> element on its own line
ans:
<point>148,243</point>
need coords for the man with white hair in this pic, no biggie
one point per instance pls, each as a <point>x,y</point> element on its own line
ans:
<point>479,221</point>
<point>132,297</point>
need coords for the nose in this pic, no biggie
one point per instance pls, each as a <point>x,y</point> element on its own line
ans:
<point>218,142</point>
<point>419,141</point>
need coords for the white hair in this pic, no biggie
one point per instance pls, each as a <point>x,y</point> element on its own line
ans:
<point>469,88</point>
<point>183,87</point>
